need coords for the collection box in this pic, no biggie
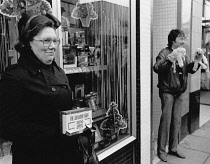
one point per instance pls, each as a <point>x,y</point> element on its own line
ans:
<point>75,121</point>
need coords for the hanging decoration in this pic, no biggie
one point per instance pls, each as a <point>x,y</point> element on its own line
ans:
<point>114,120</point>
<point>15,8</point>
<point>85,13</point>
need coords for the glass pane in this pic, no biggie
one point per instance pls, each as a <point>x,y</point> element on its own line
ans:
<point>95,44</point>
<point>205,73</point>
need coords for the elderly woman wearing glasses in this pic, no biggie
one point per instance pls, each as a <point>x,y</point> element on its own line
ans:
<point>31,94</point>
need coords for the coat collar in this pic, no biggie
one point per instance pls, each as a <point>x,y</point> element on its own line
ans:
<point>31,62</point>
<point>54,79</point>
<point>35,66</point>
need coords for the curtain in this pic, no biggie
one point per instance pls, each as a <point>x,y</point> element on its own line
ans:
<point>110,31</point>
<point>4,44</point>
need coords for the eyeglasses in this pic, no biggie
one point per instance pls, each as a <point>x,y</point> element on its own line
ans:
<point>47,42</point>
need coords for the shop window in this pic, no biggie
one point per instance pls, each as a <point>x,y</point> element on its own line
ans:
<point>95,56</point>
<point>205,75</point>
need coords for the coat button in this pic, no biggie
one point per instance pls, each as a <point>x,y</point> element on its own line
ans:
<point>53,89</point>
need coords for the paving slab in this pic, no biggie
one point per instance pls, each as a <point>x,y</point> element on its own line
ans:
<point>155,159</point>
<point>192,157</point>
<point>203,132</point>
<point>207,161</point>
<point>196,143</point>
<point>206,125</point>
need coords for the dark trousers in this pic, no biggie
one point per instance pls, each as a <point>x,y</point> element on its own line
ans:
<point>170,121</point>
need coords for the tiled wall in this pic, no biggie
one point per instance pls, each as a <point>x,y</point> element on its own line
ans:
<point>164,19</point>
<point>145,79</point>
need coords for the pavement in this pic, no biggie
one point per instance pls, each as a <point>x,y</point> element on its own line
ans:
<point>196,146</point>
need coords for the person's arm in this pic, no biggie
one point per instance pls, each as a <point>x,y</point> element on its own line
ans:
<point>192,66</point>
<point>162,63</point>
<point>197,61</point>
<point>11,100</point>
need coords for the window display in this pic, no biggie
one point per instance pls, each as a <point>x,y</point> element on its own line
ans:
<point>95,54</point>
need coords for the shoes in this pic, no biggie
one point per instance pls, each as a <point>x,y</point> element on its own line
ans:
<point>163,157</point>
<point>177,153</point>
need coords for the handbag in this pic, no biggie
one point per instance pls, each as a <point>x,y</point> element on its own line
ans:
<point>86,149</point>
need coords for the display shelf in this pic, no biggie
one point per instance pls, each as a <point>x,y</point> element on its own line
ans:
<point>72,70</point>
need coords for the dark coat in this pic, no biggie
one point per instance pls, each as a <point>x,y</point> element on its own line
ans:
<point>168,80</point>
<point>31,96</point>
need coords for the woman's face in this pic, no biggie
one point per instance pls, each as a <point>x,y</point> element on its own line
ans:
<point>45,53</point>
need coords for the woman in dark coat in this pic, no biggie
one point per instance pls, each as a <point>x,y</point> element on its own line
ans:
<point>31,94</point>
